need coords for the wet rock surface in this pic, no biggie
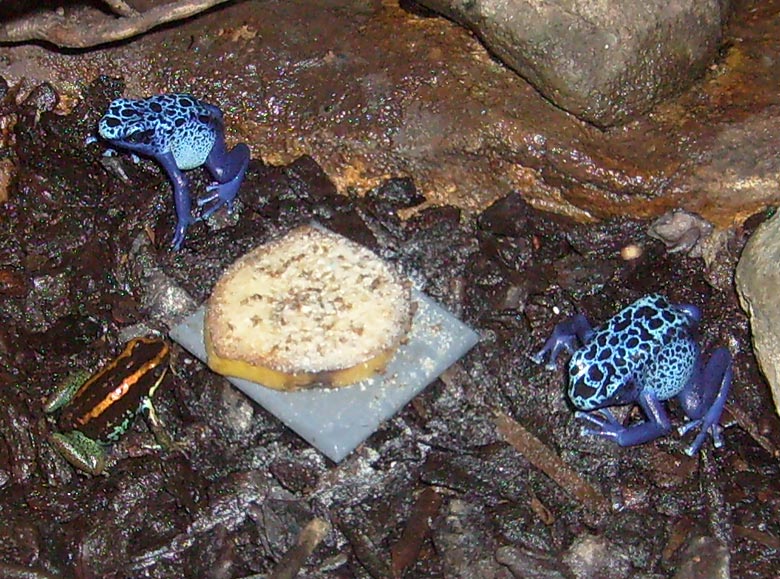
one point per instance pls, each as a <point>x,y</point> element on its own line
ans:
<point>440,490</point>
<point>604,63</point>
<point>379,92</point>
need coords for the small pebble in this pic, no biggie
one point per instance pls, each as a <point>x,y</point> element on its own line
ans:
<point>631,251</point>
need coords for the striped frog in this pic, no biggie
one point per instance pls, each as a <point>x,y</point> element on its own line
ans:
<point>97,410</point>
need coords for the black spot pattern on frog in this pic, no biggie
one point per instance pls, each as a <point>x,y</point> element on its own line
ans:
<point>670,371</point>
<point>162,124</point>
<point>645,345</point>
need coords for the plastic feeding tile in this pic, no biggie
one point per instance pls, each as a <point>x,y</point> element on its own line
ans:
<point>337,420</point>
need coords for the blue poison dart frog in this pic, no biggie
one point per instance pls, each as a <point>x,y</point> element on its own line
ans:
<point>180,133</point>
<point>644,355</point>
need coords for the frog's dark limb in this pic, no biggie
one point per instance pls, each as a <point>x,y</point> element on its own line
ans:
<point>704,399</point>
<point>81,451</point>
<point>65,391</point>
<point>181,198</point>
<point>156,424</point>
<point>564,337</point>
<point>657,423</point>
<point>228,169</point>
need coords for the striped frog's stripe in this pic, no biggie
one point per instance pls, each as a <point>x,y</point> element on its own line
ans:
<point>109,400</point>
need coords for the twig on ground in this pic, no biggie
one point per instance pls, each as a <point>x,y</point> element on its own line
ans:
<point>404,553</point>
<point>365,551</point>
<point>546,460</point>
<point>290,565</point>
<point>766,539</point>
<point>311,536</point>
<point>54,28</point>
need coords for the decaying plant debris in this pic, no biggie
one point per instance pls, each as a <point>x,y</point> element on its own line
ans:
<point>90,29</point>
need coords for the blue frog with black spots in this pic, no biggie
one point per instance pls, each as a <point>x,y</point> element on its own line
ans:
<point>645,354</point>
<point>180,133</point>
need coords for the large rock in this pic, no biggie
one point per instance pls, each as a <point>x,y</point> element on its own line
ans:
<point>739,169</point>
<point>758,277</point>
<point>601,61</point>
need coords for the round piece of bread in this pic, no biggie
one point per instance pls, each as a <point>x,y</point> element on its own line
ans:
<point>310,308</point>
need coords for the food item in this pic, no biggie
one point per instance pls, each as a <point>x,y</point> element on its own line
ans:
<point>310,308</point>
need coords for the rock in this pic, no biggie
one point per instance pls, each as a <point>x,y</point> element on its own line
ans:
<point>758,278</point>
<point>739,169</point>
<point>465,543</point>
<point>590,557</point>
<point>680,230</point>
<point>704,557</point>
<point>604,62</point>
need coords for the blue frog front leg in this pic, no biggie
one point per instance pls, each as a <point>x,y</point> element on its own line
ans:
<point>565,336</point>
<point>605,424</point>
<point>644,355</point>
<point>181,198</point>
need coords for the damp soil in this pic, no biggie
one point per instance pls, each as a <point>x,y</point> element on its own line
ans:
<point>447,488</point>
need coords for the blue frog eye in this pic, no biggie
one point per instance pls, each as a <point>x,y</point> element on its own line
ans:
<point>140,137</point>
